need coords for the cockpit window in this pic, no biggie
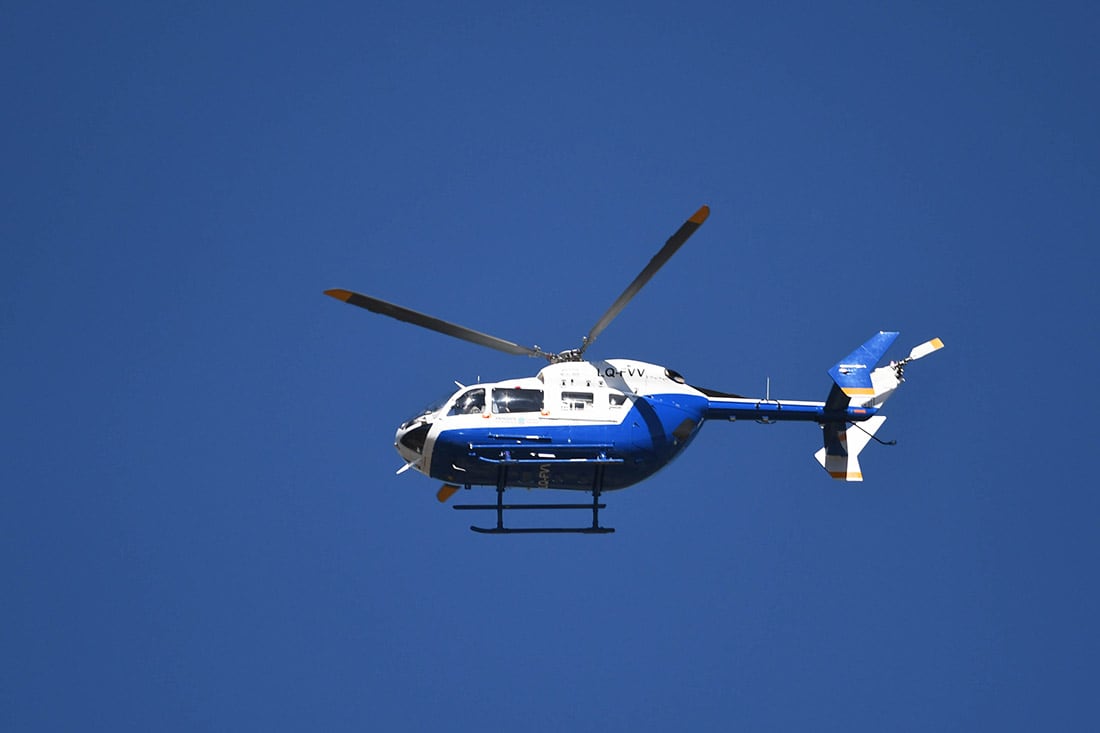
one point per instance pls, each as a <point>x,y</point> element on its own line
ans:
<point>517,400</point>
<point>471,402</point>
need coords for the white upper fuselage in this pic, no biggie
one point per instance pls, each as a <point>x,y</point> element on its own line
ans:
<point>578,392</point>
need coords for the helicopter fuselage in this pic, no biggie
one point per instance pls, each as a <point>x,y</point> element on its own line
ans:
<point>618,419</point>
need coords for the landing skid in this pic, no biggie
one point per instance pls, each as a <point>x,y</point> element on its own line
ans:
<point>500,507</point>
<point>543,530</point>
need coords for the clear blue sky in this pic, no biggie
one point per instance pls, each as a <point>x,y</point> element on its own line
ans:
<point>201,528</point>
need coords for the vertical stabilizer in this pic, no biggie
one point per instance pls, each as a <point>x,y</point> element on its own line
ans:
<point>852,374</point>
<point>843,444</point>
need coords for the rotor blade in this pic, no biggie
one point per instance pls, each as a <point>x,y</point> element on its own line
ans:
<point>674,243</point>
<point>435,324</point>
<point>445,492</point>
<point>925,349</point>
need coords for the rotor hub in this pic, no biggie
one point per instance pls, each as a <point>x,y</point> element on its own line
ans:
<point>567,355</point>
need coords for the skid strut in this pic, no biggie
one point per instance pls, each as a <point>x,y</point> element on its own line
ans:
<point>500,507</point>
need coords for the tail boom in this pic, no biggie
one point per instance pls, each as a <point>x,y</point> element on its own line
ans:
<point>849,416</point>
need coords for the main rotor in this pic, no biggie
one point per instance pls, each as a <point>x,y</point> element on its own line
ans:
<point>509,347</point>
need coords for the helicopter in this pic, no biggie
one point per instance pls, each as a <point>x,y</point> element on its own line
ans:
<point>594,426</point>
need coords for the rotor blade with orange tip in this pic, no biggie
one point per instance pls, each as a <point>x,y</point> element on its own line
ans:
<point>446,492</point>
<point>674,243</point>
<point>923,350</point>
<point>434,324</point>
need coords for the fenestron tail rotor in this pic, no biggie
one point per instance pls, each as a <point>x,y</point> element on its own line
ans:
<point>432,323</point>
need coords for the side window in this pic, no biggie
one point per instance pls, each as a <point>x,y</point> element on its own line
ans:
<point>472,402</point>
<point>576,401</point>
<point>616,399</point>
<point>517,400</point>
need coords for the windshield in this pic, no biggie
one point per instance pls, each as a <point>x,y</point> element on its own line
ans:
<point>428,409</point>
<point>434,405</point>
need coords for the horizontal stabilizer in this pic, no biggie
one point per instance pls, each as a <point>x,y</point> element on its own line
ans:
<point>843,444</point>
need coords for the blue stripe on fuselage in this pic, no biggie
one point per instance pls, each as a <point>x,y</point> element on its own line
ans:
<point>563,456</point>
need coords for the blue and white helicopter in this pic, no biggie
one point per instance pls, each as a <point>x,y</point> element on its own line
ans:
<point>596,426</point>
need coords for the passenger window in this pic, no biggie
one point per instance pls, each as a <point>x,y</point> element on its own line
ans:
<point>517,400</point>
<point>471,402</point>
<point>576,400</point>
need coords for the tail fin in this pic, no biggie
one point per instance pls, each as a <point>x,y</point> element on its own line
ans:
<point>852,374</point>
<point>858,384</point>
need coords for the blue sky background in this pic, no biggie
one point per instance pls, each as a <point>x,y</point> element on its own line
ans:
<point>201,527</point>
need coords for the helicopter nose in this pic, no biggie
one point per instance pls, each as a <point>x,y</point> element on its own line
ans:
<point>413,437</point>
